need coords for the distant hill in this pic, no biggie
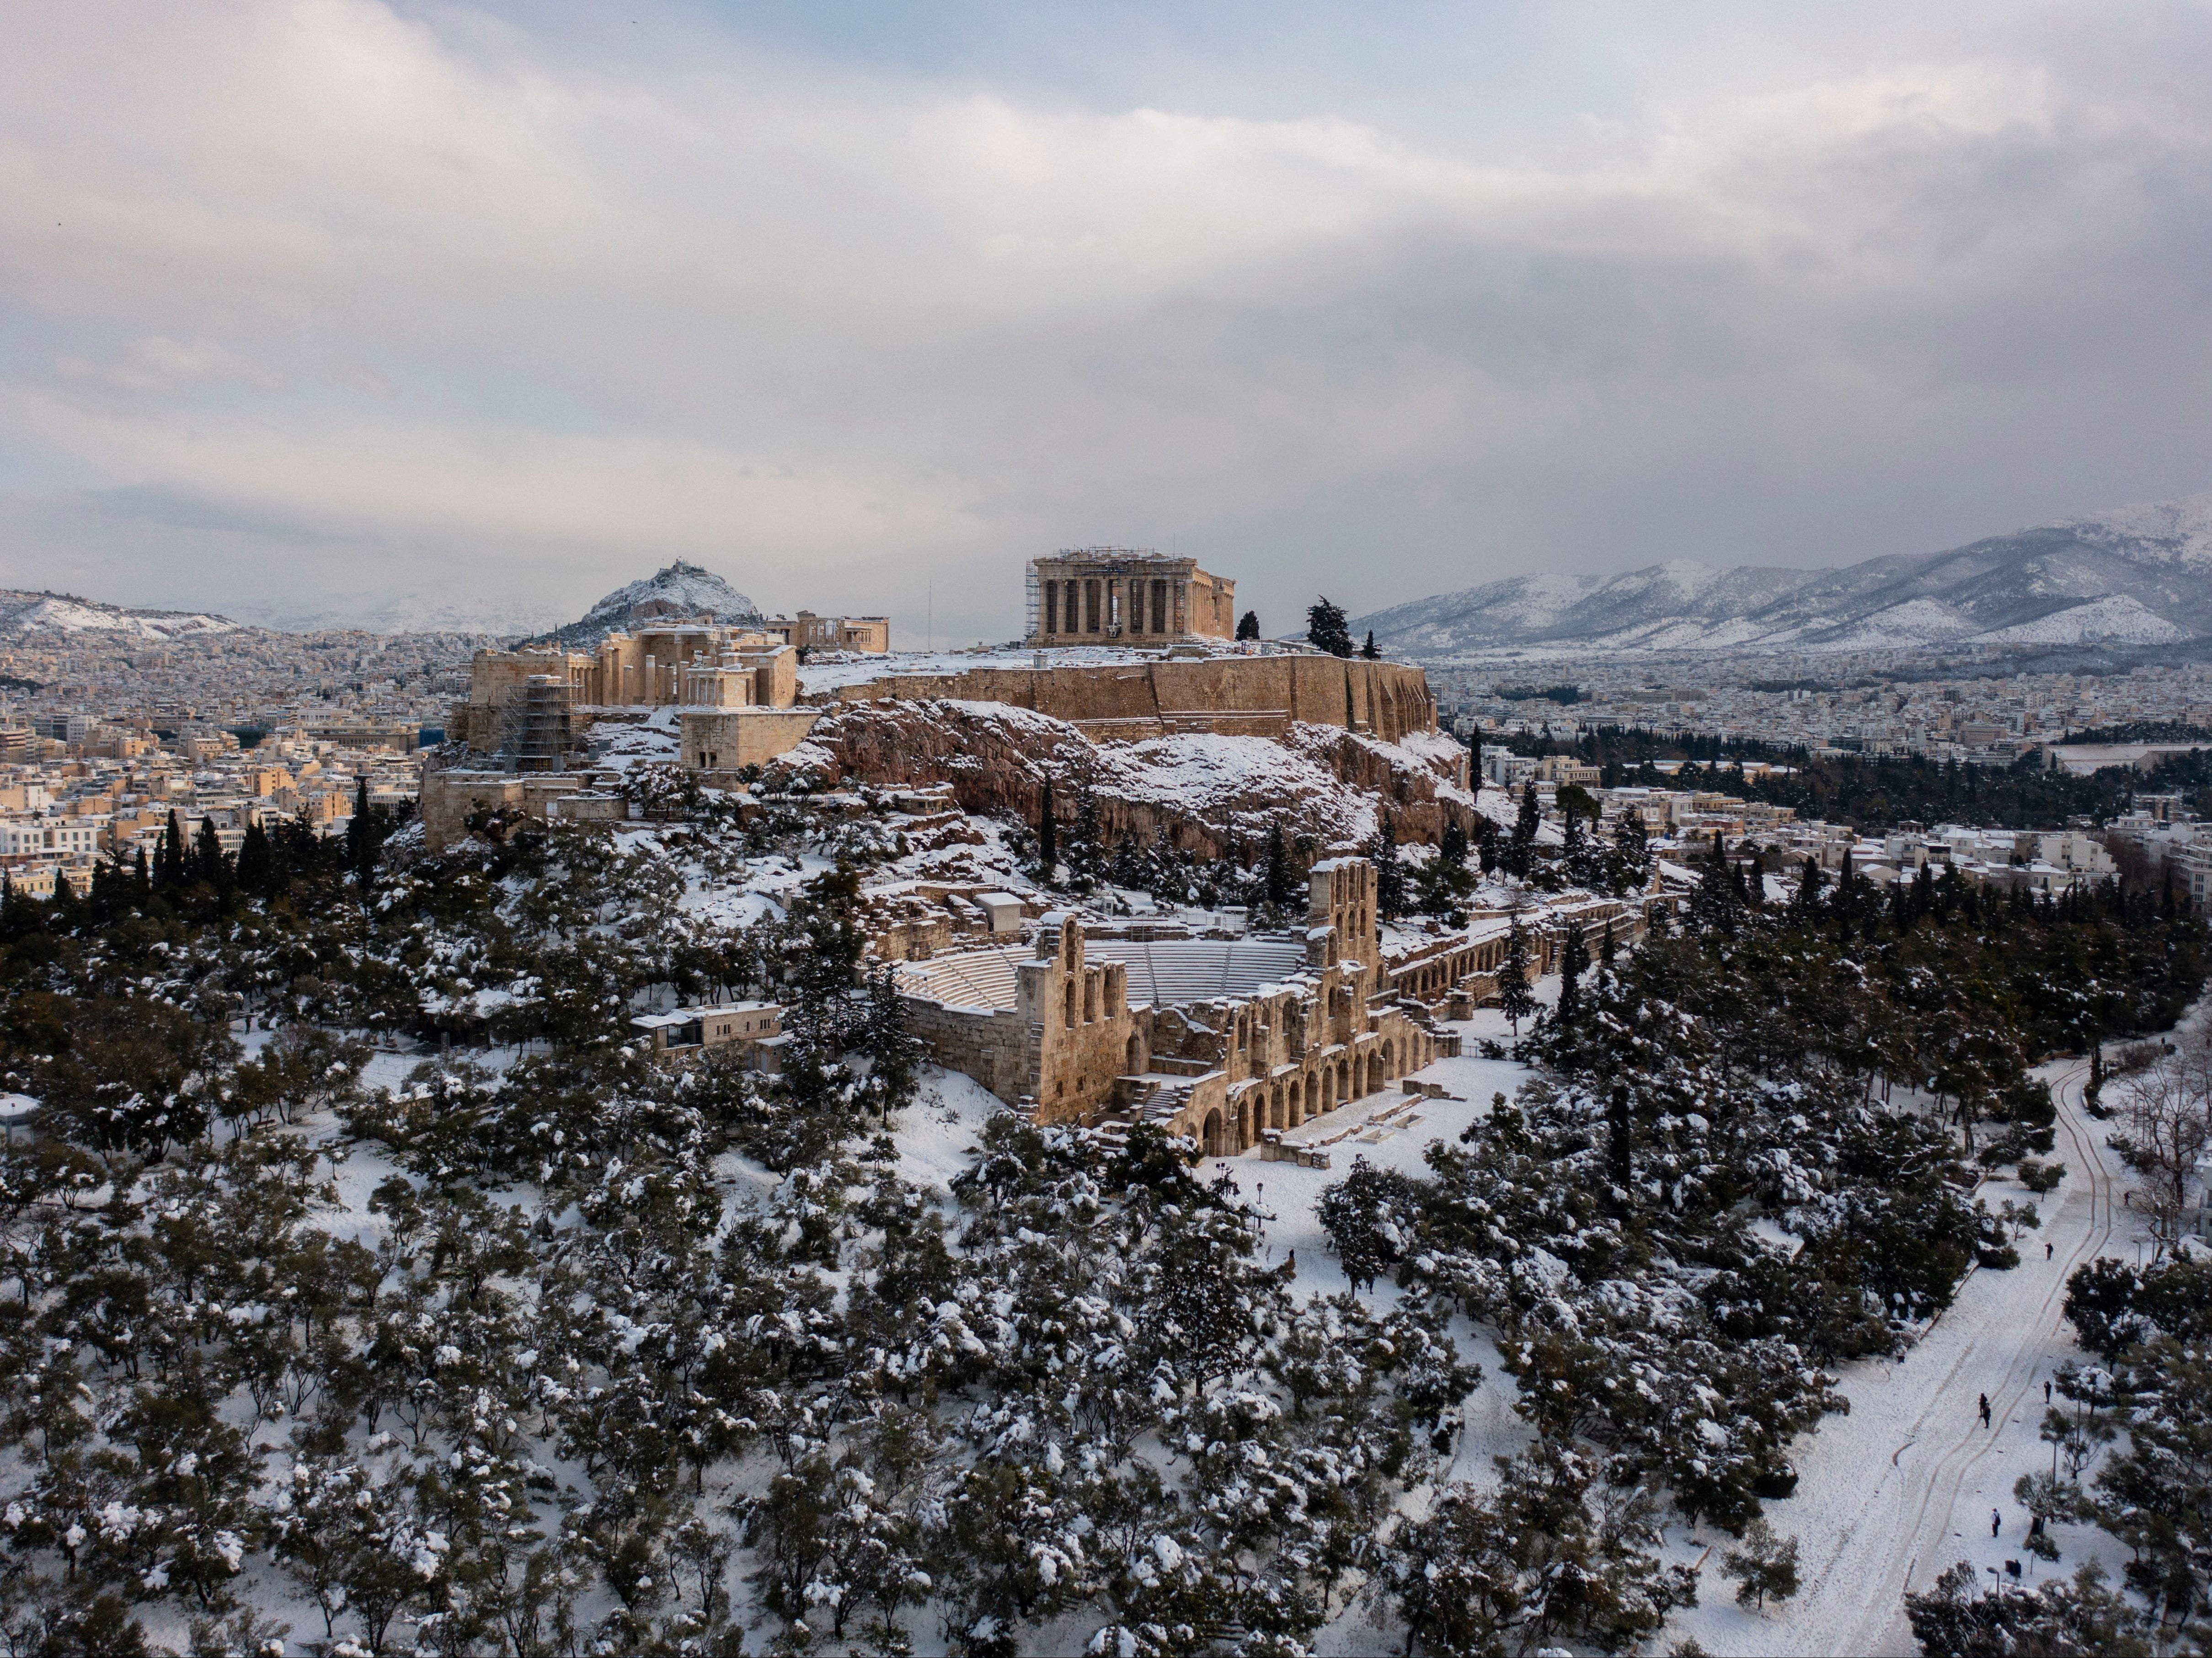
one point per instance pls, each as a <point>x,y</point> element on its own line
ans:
<point>24,614</point>
<point>680,590</point>
<point>2134,576</point>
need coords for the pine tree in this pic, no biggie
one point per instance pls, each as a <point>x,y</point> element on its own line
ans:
<point>1325,629</point>
<point>1248,625</point>
<point>1486,843</point>
<point>1451,851</point>
<point>141,883</point>
<point>1606,948</point>
<point>1367,650</point>
<point>1516,998</point>
<point>1766,1565</point>
<point>1048,838</point>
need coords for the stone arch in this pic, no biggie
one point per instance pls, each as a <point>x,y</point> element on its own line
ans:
<point>1210,1136</point>
<point>1296,1108</point>
<point>1388,1055</point>
<point>1135,1054</point>
<point>1343,1081</point>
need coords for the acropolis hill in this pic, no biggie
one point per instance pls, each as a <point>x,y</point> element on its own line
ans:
<point>1135,668</point>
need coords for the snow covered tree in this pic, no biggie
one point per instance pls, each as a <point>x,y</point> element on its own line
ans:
<point>1516,998</point>
<point>1389,872</point>
<point>2076,1619</point>
<point>1326,630</point>
<point>1632,853</point>
<point>1520,857</point>
<point>1574,953</point>
<point>1764,1564</point>
<point>1549,1558</point>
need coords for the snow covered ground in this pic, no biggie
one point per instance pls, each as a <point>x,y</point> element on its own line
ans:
<point>1890,1495</point>
<point>1902,1488</point>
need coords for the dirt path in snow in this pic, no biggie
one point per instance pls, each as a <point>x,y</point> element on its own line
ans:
<point>1908,1472</point>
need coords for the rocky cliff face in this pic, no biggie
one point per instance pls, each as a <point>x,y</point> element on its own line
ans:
<point>1212,794</point>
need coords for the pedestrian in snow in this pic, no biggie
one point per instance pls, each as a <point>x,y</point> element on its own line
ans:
<point>2046,1393</point>
<point>1985,1410</point>
<point>1997,1522</point>
<point>2046,1251</point>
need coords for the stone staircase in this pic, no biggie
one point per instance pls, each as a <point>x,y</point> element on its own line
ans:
<point>1152,1096</point>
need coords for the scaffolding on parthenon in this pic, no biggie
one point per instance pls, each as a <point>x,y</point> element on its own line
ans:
<point>534,726</point>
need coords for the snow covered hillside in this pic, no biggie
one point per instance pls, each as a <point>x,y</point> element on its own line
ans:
<point>680,590</point>
<point>2136,575</point>
<point>24,614</point>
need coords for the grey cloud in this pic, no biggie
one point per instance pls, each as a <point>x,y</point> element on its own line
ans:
<point>841,332</point>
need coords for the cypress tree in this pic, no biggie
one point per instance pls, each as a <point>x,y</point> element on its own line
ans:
<point>1486,843</point>
<point>1048,838</point>
<point>141,883</point>
<point>1605,947</point>
<point>1521,852</point>
<point>1571,951</point>
<point>207,862</point>
<point>1082,841</point>
<point>256,867</point>
<point>1805,902</point>
<point>1389,873</point>
<point>1620,1164</point>
<point>1367,650</point>
<point>171,873</point>
<point>1248,625</point>
<point>1282,887</point>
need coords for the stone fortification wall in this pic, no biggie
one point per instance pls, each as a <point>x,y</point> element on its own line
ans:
<point>991,1047</point>
<point>1237,695</point>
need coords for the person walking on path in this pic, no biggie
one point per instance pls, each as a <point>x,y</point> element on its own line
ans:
<point>1997,1522</point>
<point>2046,1250</point>
<point>2046,1393</point>
<point>1985,1410</point>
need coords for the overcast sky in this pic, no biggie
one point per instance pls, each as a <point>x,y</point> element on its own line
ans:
<point>316,305</point>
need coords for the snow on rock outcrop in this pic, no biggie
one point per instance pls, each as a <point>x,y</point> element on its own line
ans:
<point>24,613</point>
<point>680,591</point>
<point>1200,791</point>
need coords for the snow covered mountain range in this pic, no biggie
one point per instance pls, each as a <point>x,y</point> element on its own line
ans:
<point>2134,576</point>
<point>23,613</point>
<point>680,590</point>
